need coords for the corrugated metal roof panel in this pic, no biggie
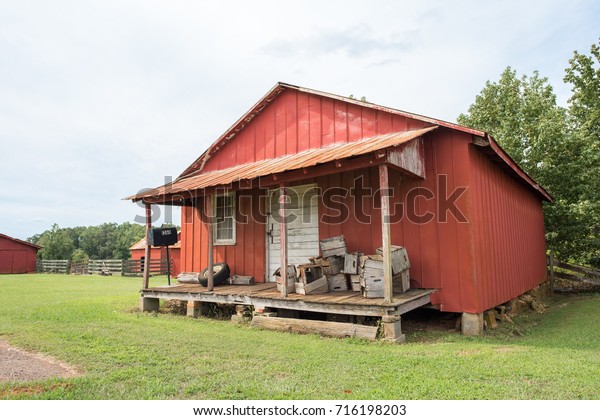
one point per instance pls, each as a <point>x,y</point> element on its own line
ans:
<point>305,159</point>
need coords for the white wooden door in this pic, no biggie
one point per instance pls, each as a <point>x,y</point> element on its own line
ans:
<point>302,227</point>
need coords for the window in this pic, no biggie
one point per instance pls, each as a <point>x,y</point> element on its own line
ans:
<point>224,206</point>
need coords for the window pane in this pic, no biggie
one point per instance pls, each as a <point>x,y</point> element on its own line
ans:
<point>225,222</point>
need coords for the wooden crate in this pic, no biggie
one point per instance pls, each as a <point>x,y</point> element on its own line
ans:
<point>372,268</point>
<point>310,272</point>
<point>333,246</point>
<point>355,282</point>
<point>400,261</point>
<point>351,261</point>
<point>315,287</point>
<point>291,279</point>
<point>337,283</point>
<point>333,265</point>
<point>373,288</point>
<point>311,280</point>
<point>401,282</point>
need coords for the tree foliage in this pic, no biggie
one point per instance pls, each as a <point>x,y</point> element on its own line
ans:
<point>558,147</point>
<point>56,242</point>
<point>106,241</point>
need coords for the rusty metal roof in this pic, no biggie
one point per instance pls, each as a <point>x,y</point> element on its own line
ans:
<point>304,159</point>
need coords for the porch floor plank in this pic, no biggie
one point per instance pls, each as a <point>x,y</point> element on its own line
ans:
<point>266,294</point>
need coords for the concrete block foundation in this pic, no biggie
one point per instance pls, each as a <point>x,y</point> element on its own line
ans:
<point>392,329</point>
<point>149,304</point>
<point>472,324</point>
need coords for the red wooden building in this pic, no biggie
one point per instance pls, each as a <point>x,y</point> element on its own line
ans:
<point>17,256</point>
<point>157,252</point>
<point>470,218</point>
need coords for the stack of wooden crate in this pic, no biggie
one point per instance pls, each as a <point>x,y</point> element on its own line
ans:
<point>351,268</point>
<point>371,269</point>
<point>333,252</point>
<point>400,268</point>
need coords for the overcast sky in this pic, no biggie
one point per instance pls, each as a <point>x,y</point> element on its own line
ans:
<point>99,100</point>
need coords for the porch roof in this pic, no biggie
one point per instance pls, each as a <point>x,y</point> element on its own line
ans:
<point>304,159</point>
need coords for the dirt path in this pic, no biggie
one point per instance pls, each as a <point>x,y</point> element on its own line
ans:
<point>21,365</point>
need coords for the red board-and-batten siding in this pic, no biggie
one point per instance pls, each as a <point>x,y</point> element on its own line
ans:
<point>17,257</point>
<point>498,255</point>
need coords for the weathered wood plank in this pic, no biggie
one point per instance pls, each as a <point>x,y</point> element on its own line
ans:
<point>283,246</point>
<point>578,269</point>
<point>386,232</point>
<point>573,277</point>
<point>240,280</point>
<point>304,326</point>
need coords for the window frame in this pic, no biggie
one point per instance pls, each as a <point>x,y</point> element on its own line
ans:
<point>228,241</point>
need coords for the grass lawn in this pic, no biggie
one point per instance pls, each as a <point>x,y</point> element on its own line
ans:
<point>91,322</point>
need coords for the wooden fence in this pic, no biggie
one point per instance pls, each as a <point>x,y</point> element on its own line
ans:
<point>78,267</point>
<point>136,267</point>
<point>105,267</point>
<point>53,266</point>
<point>112,267</point>
<point>559,270</point>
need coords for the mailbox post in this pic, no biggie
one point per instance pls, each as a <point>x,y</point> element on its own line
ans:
<point>163,237</point>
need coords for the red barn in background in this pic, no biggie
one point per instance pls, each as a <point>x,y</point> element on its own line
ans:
<point>469,217</point>
<point>157,252</point>
<point>17,256</point>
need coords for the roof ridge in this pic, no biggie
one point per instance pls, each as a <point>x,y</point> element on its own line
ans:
<point>274,92</point>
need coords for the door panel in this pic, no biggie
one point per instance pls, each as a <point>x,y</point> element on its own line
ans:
<point>302,228</point>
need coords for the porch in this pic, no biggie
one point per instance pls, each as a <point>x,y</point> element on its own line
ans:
<point>265,299</point>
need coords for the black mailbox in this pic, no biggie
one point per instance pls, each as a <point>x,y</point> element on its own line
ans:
<point>162,236</point>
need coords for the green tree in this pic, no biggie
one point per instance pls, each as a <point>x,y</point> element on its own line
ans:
<point>583,74</point>
<point>57,244</point>
<point>522,115</point>
<point>105,241</point>
<point>127,235</point>
<point>79,256</point>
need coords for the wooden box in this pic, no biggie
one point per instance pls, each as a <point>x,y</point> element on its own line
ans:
<point>351,261</point>
<point>311,280</point>
<point>337,283</point>
<point>333,265</point>
<point>355,282</point>
<point>373,288</point>
<point>372,269</point>
<point>400,260</point>
<point>291,280</point>
<point>315,287</point>
<point>333,246</point>
<point>309,272</point>
<point>401,282</point>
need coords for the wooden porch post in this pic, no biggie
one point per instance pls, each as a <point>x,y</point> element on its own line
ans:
<point>388,287</point>
<point>283,248</point>
<point>210,274</point>
<point>146,278</point>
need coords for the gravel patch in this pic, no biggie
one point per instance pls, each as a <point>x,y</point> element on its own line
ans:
<point>20,365</point>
